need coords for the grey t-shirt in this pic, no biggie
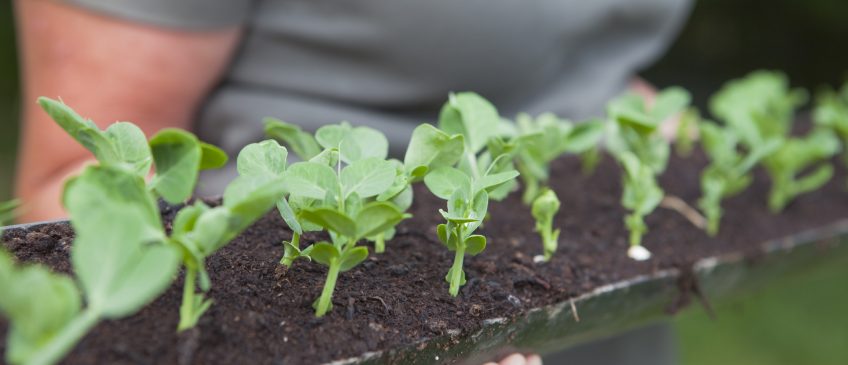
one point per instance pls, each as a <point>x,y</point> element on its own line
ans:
<point>391,64</point>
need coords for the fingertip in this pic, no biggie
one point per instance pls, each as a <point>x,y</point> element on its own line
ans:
<point>534,360</point>
<point>514,359</point>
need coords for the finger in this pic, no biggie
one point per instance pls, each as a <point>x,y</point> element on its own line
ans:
<point>514,359</point>
<point>534,360</point>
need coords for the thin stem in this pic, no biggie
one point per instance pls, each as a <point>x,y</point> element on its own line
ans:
<point>327,294</point>
<point>547,240</point>
<point>472,162</point>
<point>456,270</point>
<point>65,340</point>
<point>187,308</point>
<point>380,243</point>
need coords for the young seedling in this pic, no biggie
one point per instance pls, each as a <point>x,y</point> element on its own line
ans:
<point>545,138</point>
<point>177,155</point>
<point>634,140</point>
<point>119,257</point>
<point>760,107</point>
<point>200,230</point>
<point>544,208</point>
<point>479,176</point>
<point>349,189</point>
<point>428,148</point>
<point>641,196</point>
<point>788,164</point>
<point>729,172</point>
<point>831,112</point>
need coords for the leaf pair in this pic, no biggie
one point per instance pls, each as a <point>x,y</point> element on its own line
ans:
<point>177,155</point>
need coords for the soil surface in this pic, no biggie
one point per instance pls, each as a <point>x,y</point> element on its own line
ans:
<point>263,315</point>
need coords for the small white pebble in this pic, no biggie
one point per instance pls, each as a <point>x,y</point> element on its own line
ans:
<point>538,258</point>
<point>285,338</point>
<point>437,357</point>
<point>638,253</point>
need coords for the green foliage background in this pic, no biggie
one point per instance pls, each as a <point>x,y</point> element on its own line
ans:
<point>799,320</point>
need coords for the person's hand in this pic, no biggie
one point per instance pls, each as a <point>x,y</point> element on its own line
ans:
<point>519,359</point>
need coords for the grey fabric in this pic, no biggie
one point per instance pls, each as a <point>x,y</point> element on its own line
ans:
<point>649,345</point>
<point>391,64</point>
<point>187,14</point>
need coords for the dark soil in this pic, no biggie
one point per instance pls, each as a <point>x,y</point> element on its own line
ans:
<point>262,315</point>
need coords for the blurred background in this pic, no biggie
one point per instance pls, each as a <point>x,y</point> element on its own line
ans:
<point>800,321</point>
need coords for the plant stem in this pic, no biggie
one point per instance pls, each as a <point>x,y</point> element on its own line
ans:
<point>380,243</point>
<point>472,163</point>
<point>456,269</point>
<point>65,340</point>
<point>187,317</point>
<point>547,240</point>
<point>324,301</point>
<point>287,259</point>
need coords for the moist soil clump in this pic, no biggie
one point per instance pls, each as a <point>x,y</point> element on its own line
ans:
<point>263,315</point>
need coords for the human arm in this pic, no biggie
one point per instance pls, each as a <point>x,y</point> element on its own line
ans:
<point>109,69</point>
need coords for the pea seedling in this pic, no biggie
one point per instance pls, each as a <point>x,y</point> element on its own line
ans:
<point>634,141</point>
<point>545,138</point>
<point>467,189</point>
<point>729,171</point>
<point>177,155</point>
<point>760,107</point>
<point>544,208</point>
<point>119,258</point>
<point>831,112</point>
<point>200,230</point>
<point>539,141</point>
<point>428,148</point>
<point>364,199</point>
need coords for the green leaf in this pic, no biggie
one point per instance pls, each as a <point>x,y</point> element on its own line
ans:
<point>288,215</point>
<point>475,244</point>
<point>367,178</point>
<point>119,255</point>
<point>212,157</point>
<point>130,146</point>
<point>331,220</point>
<point>353,257</point>
<point>584,136</point>
<point>212,230</point>
<point>363,143</point>
<point>263,158</point>
<point>375,218</point>
<point>302,143</point>
<point>429,148</point>
<point>312,180</point>
<point>177,155</point>
<point>492,181</point>
<point>328,157</point>
<point>670,101</point>
<point>38,303</point>
<point>82,130</point>
<point>325,253</point>
<point>331,136</point>
<point>442,182</point>
<point>472,116</point>
<point>248,199</point>
<point>187,217</point>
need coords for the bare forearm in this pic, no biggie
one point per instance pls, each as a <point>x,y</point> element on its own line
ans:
<point>108,70</point>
